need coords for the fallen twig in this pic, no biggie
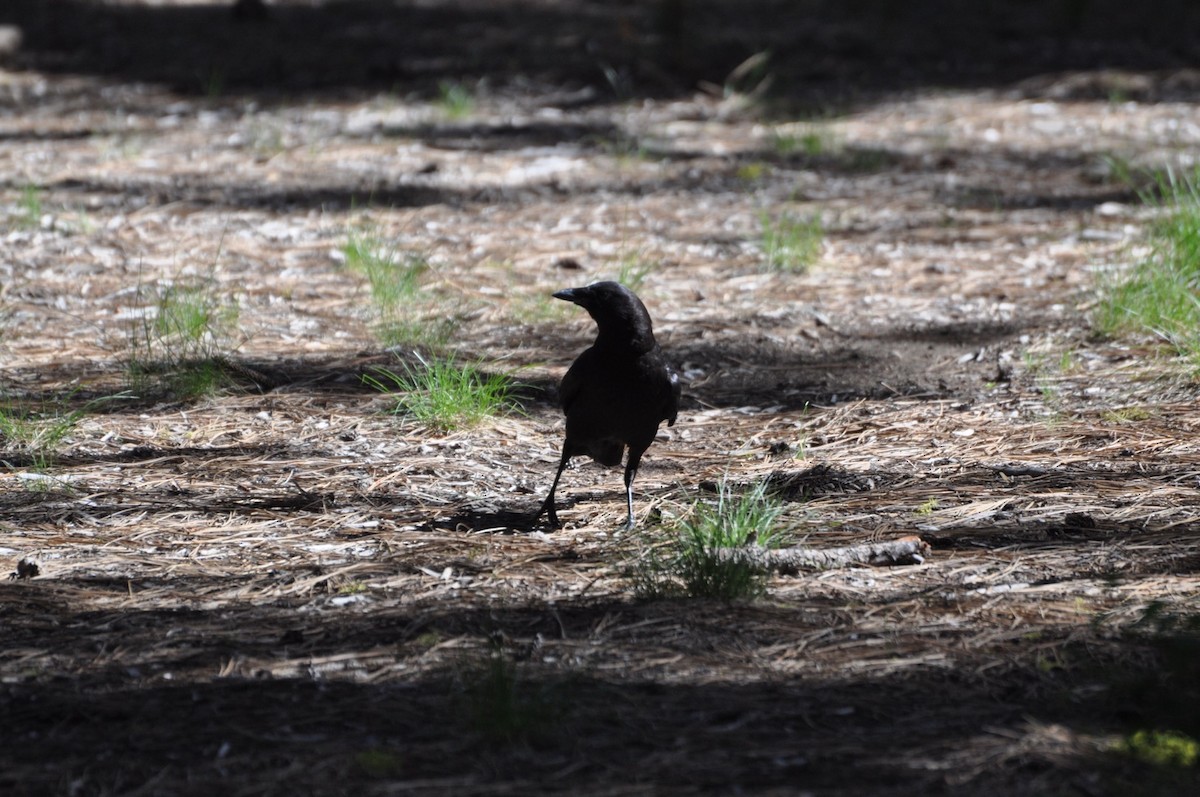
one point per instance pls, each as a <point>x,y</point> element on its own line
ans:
<point>910,550</point>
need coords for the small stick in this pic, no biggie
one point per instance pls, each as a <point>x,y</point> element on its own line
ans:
<point>908,550</point>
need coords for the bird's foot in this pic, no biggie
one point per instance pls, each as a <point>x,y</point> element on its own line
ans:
<point>547,509</point>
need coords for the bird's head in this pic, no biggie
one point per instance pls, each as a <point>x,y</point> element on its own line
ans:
<point>620,316</point>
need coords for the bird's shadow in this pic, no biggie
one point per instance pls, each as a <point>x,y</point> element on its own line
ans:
<point>492,519</point>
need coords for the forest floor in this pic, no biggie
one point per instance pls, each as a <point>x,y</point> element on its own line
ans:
<point>281,587</point>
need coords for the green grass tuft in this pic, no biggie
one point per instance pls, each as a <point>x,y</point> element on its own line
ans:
<point>1159,294</point>
<point>812,142</point>
<point>30,207</point>
<point>38,433</point>
<point>1126,415</point>
<point>928,507</point>
<point>791,244</point>
<point>444,395</point>
<point>455,99</point>
<point>699,565</point>
<point>1162,748</point>
<point>192,316</point>
<point>753,172</point>
<point>394,277</point>
<point>397,293</point>
<point>198,378</point>
<point>35,434</point>
<point>733,522</point>
<point>180,338</point>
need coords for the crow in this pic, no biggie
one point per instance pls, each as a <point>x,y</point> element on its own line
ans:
<point>618,391</point>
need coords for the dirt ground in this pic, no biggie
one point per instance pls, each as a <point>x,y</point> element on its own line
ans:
<point>284,589</point>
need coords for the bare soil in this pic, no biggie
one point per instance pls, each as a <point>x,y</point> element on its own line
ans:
<point>284,589</point>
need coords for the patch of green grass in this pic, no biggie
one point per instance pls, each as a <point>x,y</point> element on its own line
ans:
<point>396,282</point>
<point>1051,661</point>
<point>818,140</point>
<point>812,142</point>
<point>1158,295</point>
<point>38,432</point>
<point>1050,394</point>
<point>1034,362</point>
<point>180,336</point>
<point>733,521</point>
<point>394,276</point>
<point>428,639</point>
<point>503,708</point>
<point>927,507</point>
<point>444,395</point>
<point>1126,415</point>
<point>699,564</point>
<point>29,207</point>
<point>35,434</point>
<point>791,244</point>
<point>633,271</point>
<point>1162,748</point>
<point>455,99</point>
<point>1068,362</point>
<point>353,587</point>
<point>193,316</point>
<point>815,143</point>
<point>753,171</point>
<point>1118,95</point>
<point>197,378</point>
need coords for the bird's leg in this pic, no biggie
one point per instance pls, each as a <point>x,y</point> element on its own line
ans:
<point>631,468</point>
<point>548,505</point>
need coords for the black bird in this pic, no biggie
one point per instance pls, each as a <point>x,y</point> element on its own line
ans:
<point>618,391</point>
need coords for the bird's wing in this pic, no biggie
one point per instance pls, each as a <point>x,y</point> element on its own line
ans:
<point>572,383</point>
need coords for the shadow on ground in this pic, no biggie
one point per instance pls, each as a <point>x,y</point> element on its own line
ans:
<point>1084,176</point>
<point>817,50</point>
<point>188,702</point>
<point>737,372</point>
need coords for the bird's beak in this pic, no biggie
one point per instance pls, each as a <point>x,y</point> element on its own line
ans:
<point>568,295</point>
